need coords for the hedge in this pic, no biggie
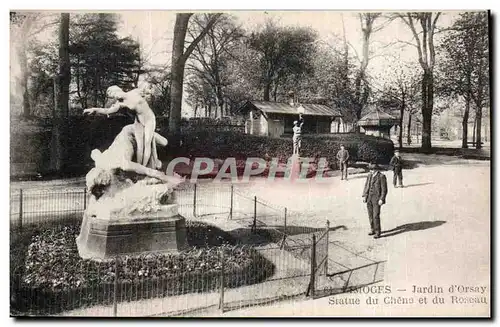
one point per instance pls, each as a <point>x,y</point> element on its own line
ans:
<point>85,133</point>
<point>242,146</point>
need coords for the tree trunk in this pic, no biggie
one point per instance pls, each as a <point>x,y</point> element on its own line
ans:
<point>408,136</point>
<point>226,107</point>
<point>275,90</point>
<point>267,91</point>
<point>23,63</point>
<point>474,131</point>
<point>219,102</point>
<point>465,124</point>
<point>178,64</point>
<point>486,131</point>
<point>64,66</point>
<point>60,120</point>
<point>402,111</point>
<point>179,58</point>
<point>478,129</point>
<point>357,93</point>
<point>427,105</point>
<point>479,103</point>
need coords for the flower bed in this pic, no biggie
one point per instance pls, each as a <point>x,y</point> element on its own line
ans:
<point>55,278</point>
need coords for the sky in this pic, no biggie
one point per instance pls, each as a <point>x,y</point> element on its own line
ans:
<point>154,31</point>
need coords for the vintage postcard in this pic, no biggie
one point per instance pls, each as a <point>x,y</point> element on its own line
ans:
<point>250,164</point>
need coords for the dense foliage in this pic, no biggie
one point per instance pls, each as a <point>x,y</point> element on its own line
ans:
<point>241,146</point>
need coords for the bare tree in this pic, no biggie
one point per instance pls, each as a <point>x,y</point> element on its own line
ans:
<point>179,58</point>
<point>481,93</point>
<point>402,92</point>
<point>424,43</point>
<point>212,53</point>
<point>464,70</point>
<point>24,26</point>
<point>361,84</point>
<point>362,88</point>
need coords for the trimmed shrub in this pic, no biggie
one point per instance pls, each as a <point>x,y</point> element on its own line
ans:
<point>242,146</point>
<point>85,133</point>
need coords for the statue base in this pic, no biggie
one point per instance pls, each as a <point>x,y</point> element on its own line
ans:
<point>163,231</point>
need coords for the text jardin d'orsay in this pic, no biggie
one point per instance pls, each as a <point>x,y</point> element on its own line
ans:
<point>432,294</point>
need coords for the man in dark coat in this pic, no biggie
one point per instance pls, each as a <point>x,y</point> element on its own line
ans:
<point>397,167</point>
<point>343,158</point>
<point>374,195</point>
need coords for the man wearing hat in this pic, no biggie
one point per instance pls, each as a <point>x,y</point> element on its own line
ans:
<point>374,195</point>
<point>343,157</point>
<point>397,168</point>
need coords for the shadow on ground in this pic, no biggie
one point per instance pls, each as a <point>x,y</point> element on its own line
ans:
<point>412,227</point>
<point>358,176</point>
<point>273,234</point>
<point>418,184</point>
<point>297,230</point>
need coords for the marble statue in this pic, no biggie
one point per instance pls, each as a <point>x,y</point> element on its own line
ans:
<point>144,125</point>
<point>132,208</point>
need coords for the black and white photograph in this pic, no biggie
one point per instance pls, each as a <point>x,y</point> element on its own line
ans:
<point>231,163</point>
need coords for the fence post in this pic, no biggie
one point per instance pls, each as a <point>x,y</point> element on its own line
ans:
<point>85,199</point>
<point>327,243</point>
<point>284,227</point>
<point>254,225</point>
<point>194,200</point>
<point>312,282</point>
<point>231,207</point>
<point>20,209</point>
<point>115,289</point>
<point>221,281</point>
<point>284,232</point>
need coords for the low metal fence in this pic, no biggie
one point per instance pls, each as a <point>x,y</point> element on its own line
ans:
<point>267,260</point>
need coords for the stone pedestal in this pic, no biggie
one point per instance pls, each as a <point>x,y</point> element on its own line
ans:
<point>163,231</point>
<point>296,167</point>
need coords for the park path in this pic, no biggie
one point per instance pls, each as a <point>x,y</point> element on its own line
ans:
<point>439,234</point>
<point>439,229</point>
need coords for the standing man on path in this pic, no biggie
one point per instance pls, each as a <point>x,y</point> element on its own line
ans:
<point>397,168</point>
<point>374,195</point>
<point>343,157</point>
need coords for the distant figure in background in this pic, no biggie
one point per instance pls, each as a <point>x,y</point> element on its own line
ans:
<point>343,158</point>
<point>297,135</point>
<point>397,168</point>
<point>374,195</point>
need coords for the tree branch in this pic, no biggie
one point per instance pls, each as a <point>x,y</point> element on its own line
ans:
<point>355,52</point>
<point>415,36</point>
<point>431,40</point>
<point>193,44</point>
